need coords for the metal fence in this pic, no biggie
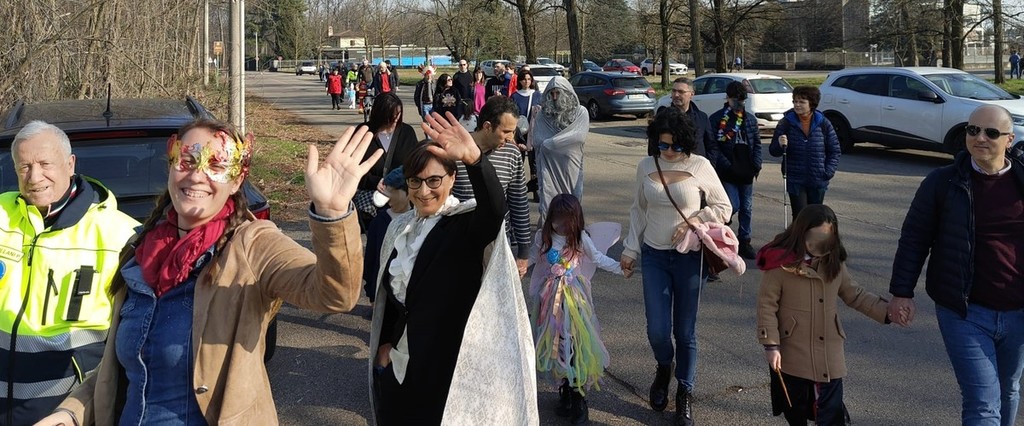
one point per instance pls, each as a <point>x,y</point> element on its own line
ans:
<point>974,58</point>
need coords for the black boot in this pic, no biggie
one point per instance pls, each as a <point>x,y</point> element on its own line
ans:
<point>564,408</point>
<point>659,389</point>
<point>746,250</point>
<point>684,407</point>
<point>580,412</point>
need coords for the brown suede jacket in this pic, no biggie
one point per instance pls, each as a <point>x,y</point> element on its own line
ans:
<point>236,296</point>
<point>796,310</point>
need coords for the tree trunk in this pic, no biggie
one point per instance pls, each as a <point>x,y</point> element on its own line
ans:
<point>529,34</point>
<point>956,29</point>
<point>947,33</point>
<point>665,21</point>
<point>997,33</point>
<point>696,47</point>
<point>720,55</point>
<point>575,37</point>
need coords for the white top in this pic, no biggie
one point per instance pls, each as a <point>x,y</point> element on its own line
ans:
<point>407,247</point>
<point>558,243</point>
<point>653,219</point>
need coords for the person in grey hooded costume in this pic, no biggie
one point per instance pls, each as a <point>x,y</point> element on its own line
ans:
<point>557,135</point>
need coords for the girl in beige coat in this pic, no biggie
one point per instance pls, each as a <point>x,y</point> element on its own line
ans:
<point>797,322</point>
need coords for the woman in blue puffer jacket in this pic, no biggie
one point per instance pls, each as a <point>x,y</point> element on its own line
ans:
<point>810,148</point>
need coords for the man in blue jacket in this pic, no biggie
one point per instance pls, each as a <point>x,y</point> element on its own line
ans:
<point>967,219</point>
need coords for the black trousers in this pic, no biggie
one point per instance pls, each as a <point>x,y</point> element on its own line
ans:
<point>819,402</point>
<point>336,100</point>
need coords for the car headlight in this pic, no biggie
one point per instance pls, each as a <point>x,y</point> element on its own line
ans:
<point>1018,120</point>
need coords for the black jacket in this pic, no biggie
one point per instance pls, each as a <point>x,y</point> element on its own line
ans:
<point>940,227</point>
<point>402,141</point>
<point>706,146</point>
<point>442,289</point>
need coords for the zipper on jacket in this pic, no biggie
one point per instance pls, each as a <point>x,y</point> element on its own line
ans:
<point>14,333</point>
<point>50,286</point>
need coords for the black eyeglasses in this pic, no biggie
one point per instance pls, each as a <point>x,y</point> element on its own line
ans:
<point>989,132</point>
<point>433,182</point>
<point>665,147</point>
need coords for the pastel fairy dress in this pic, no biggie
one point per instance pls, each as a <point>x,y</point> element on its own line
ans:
<point>566,331</point>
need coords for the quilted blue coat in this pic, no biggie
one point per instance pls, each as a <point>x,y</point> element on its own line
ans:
<point>811,160</point>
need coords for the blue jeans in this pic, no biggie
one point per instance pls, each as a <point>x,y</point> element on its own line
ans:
<point>742,199</point>
<point>987,353</point>
<point>802,195</point>
<point>673,280</point>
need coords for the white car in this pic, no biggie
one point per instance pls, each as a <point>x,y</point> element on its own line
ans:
<point>915,107</point>
<point>648,67</point>
<point>768,96</point>
<point>306,67</point>
<point>542,75</point>
<point>488,66</point>
<point>557,66</point>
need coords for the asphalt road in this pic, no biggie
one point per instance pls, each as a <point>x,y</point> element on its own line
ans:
<point>897,376</point>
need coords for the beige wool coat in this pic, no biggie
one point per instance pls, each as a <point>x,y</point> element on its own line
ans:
<point>796,309</point>
<point>236,296</point>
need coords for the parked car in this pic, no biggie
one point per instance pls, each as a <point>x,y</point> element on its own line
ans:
<point>650,66</point>
<point>591,66</point>
<point>127,152</point>
<point>605,93</point>
<point>915,107</point>
<point>547,61</point>
<point>306,67</point>
<point>488,66</point>
<point>768,96</point>
<point>542,75</point>
<point>621,65</point>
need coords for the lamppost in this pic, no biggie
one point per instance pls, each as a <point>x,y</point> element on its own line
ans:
<point>256,43</point>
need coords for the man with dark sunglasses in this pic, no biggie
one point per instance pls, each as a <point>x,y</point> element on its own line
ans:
<point>967,219</point>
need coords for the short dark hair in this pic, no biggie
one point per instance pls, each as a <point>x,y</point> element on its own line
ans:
<point>386,107</point>
<point>736,90</point>
<point>676,123</point>
<point>685,80</point>
<point>810,93</point>
<point>420,156</point>
<point>494,108</point>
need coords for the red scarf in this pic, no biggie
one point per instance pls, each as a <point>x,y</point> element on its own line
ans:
<point>769,258</point>
<point>166,259</point>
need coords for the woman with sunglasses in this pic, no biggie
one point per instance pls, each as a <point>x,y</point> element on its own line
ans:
<point>199,285</point>
<point>668,195</point>
<point>432,271</point>
<point>809,149</point>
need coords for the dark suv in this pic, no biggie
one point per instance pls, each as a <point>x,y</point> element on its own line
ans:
<point>123,144</point>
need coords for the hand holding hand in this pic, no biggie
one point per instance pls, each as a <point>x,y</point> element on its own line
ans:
<point>901,310</point>
<point>783,140</point>
<point>627,264</point>
<point>453,141</point>
<point>522,265</point>
<point>332,185</point>
<point>774,358</point>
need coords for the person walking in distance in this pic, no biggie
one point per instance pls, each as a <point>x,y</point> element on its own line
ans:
<point>334,89</point>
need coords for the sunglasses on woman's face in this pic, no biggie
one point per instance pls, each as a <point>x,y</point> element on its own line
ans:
<point>989,132</point>
<point>665,147</point>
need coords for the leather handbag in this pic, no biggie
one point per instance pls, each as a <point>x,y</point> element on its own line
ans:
<point>708,257</point>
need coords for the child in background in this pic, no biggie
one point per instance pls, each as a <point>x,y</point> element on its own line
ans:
<point>398,203</point>
<point>797,321</point>
<point>566,331</point>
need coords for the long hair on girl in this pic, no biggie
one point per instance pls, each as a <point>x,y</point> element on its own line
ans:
<point>565,209</point>
<point>793,239</point>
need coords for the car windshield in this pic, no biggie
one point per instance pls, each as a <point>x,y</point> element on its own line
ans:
<point>545,61</point>
<point>770,85</point>
<point>307,64</point>
<point>543,72</point>
<point>630,83</point>
<point>623,64</point>
<point>968,86</point>
<point>128,168</point>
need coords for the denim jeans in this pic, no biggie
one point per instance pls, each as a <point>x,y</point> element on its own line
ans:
<point>801,195</point>
<point>672,283</point>
<point>742,199</point>
<point>987,353</point>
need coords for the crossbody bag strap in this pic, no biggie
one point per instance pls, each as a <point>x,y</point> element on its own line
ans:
<point>669,194</point>
<point>391,152</point>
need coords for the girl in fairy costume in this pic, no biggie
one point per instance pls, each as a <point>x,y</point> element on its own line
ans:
<point>566,330</point>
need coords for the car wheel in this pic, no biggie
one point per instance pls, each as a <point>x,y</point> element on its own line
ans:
<point>594,110</point>
<point>643,115</point>
<point>957,142</point>
<point>842,128</point>
<point>645,72</point>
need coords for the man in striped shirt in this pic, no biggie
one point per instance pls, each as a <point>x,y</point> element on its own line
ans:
<point>495,127</point>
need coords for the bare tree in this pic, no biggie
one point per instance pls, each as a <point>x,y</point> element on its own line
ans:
<point>696,47</point>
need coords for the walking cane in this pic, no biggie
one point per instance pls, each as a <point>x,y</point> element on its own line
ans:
<point>785,195</point>
<point>784,390</point>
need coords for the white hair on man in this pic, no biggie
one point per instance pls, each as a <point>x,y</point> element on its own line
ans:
<point>35,128</point>
<point>561,106</point>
